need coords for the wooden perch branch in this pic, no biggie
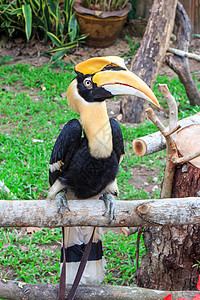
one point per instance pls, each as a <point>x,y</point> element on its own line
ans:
<point>138,213</point>
<point>185,159</point>
<point>171,152</point>
<point>155,142</point>
<point>15,290</point>
<point>182,53</point>
<point>173,110</point>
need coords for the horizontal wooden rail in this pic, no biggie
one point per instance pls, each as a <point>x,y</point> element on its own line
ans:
<point>138,213</point>
<point>14,290</point>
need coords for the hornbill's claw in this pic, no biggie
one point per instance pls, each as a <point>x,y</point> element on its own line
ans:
<point>62,201</point>
<point>109,201</point>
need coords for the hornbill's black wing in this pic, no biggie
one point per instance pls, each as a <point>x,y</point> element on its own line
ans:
<point>64,148</point>
<point>118,142</point>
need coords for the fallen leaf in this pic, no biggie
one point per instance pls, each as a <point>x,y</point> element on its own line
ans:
<point>21,284</point>
<point>34,189</point>
<point>31,230</point>
<point>43,87</point>
<point>64,95</point>
<point>24,248</point>
<point>37,141</point>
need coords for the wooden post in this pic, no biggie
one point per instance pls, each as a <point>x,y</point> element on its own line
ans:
<point>179,64</point>
<point>150,55</point>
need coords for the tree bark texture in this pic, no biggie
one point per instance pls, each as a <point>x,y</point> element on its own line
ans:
<point>171,254</point>
<point>150,55</point>
<point>173,251</point>
<point>15,290</point>
<point>179,64</point>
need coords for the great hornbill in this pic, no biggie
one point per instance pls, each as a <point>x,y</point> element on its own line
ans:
<point>86,155</point>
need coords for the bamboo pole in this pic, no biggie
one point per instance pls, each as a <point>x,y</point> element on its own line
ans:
<point>137,213</point>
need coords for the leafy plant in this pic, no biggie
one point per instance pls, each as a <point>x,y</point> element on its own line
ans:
<point>5,59</point>
<point>105,5</point>
<point>133,47</point>
<point>44,18</point>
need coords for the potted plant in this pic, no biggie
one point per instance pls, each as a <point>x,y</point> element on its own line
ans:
<point>102,20</point>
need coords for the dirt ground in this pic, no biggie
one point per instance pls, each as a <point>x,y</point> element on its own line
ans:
<point>31,52</point>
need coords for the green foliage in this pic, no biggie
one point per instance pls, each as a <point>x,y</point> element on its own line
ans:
<point>133,47</point>
<point>178,91</point>
<point>4,60</point>
<point>197,265</point>
<point>120,254</point>
<point>30,258</point>
<point>105,5</point>
<point>27,13</point>
<point>30,121</point>
<point>43,18</point>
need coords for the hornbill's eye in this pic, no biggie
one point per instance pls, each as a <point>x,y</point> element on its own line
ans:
<point>87,82</point>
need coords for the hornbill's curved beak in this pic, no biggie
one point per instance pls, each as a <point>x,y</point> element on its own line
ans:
<point>124,82</point>
<point>109,77</point>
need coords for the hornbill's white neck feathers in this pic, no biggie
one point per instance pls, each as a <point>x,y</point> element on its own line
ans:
<point>99,79</point>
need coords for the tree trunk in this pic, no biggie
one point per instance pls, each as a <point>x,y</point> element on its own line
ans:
<point>173,251</point>
<point>150,55</point>
<point>179,64</point>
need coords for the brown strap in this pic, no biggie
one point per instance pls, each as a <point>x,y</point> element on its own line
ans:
<point>81,268</point>
<point>62,283</point>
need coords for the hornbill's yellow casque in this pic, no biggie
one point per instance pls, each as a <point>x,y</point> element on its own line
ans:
<point>86,155</point>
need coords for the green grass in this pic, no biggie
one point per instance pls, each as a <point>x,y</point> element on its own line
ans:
<point>30,258</point>
<point>32,113</point>
<point>120,253</point>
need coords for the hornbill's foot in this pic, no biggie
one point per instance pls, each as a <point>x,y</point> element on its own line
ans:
<point>62,201</point>
<point>109,201</point>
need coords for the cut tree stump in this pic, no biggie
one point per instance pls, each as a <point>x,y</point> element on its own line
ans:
<point>186,180</point>
<point>155,142</point>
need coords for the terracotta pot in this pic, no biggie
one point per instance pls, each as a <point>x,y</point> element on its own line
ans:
<point>103,29</point>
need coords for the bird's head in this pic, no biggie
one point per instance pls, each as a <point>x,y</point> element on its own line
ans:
<point>101,78</point>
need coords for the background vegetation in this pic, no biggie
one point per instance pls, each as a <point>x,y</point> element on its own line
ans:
<point>33,112</point>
